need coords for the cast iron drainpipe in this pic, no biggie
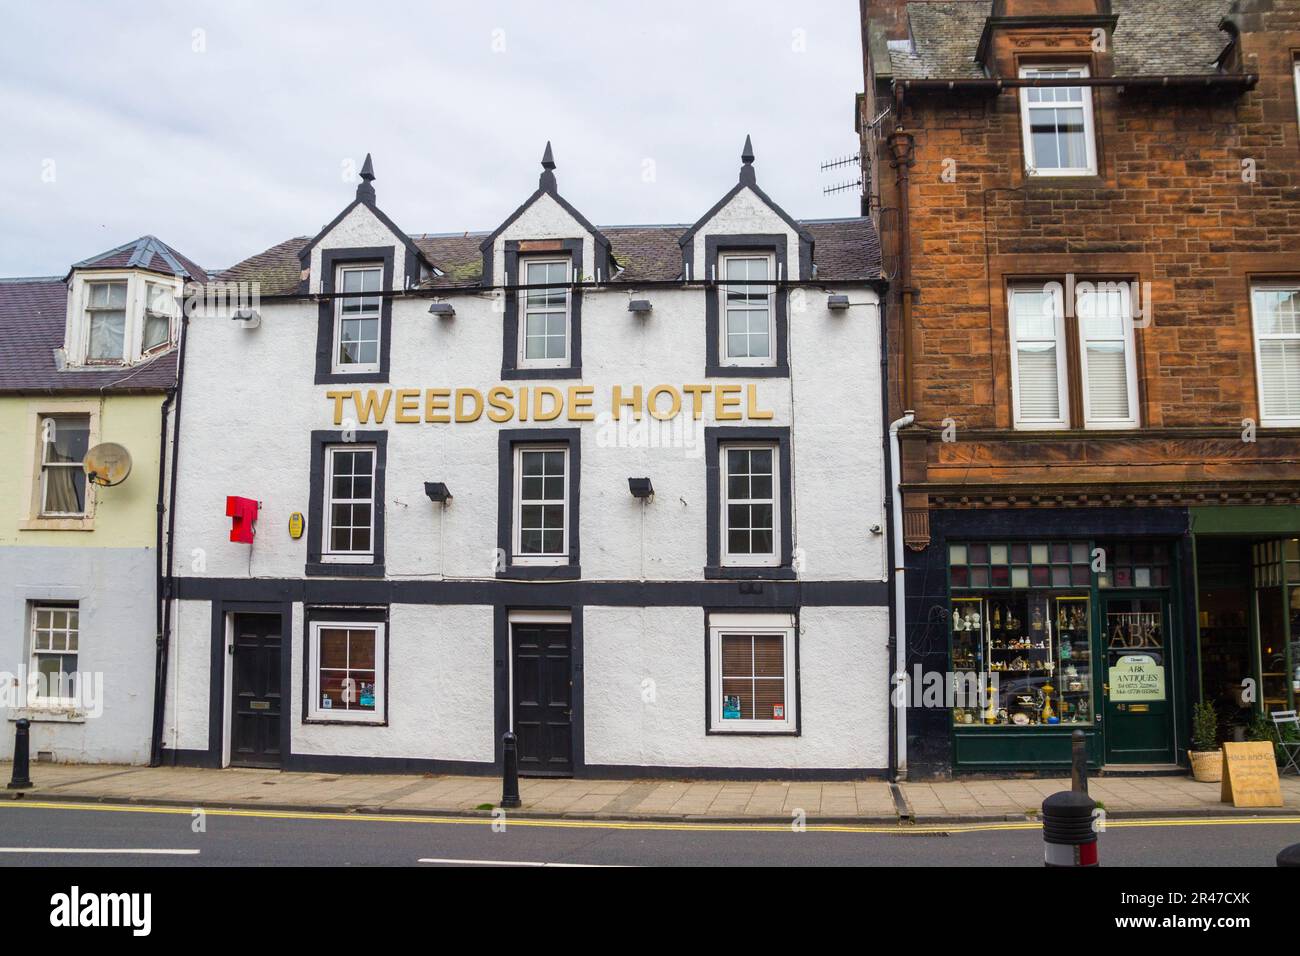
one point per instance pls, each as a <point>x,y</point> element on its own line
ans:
<point>899,683</point>
<point>166,583</point>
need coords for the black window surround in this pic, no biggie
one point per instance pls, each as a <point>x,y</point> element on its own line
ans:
<point>316,518</point>
<point>510,345</point>
<point>346,615</point>
<point>773,244</point>
<point>508,439</point>
<point>715,439</point>
<point>330,260</point>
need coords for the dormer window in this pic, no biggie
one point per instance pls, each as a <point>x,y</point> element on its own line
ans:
<point>544,332</point>
<point>106,321</point>
<point>748,329</point>
<point>120,318</point>
<point>1057,122</point>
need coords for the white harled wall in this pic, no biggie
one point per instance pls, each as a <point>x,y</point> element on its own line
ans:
<point>250,406</point>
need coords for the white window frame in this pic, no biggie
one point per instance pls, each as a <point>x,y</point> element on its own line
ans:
<point>1062,378</point>
<point>726,359</point>
<point>328,554</point>
<point>1296,70</point>
<point>170,316</point>
<point>750,560</point>
<point>357,368</point>
<point>745,625</point>
<point>42,465</point>
<point>1265,419</point>
<point>517,555</point>
<point>34,698</point>
<point>1127,336</point>
<point>315,711</point>
<point>1089,133</point>
<point>566,360</point>
<point>90,310</point>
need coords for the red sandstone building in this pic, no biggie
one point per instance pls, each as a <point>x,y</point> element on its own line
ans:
<point>1090,215</point>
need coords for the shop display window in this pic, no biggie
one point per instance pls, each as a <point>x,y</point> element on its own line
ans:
<point>1028,653</point>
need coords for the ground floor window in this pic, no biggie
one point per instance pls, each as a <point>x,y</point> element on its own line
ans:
<point>752,673</point>
<point>56,638</point>
<point>346,664</point>
<point>1044,633</point>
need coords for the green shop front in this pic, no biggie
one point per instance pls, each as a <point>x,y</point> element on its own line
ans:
<point>1113,621</point>
<point>1048,621</point>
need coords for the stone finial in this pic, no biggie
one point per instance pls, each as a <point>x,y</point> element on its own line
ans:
<point>365,191</point>
<point>547,179</point>
<point>747,163</point>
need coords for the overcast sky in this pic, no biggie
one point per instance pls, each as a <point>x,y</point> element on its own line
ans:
<point>226,127</point>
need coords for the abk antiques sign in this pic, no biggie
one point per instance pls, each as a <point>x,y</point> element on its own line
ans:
<point>1136,677</point>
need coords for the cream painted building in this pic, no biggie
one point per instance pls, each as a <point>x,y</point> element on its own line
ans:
<point>85,360</point>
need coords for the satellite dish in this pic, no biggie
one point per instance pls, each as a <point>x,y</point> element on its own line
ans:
<point>107,464</point>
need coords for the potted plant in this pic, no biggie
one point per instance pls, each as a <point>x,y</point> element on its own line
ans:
<point>1207,757</point>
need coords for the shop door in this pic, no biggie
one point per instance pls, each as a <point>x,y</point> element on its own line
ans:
<point>1137,682</point>
<point>543,699</point>
<point>255,689</point>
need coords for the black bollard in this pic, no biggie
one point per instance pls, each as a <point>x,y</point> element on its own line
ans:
<point>1289,856</point>
<point>1078,762</point>
<point>1069,838</point>
<point>22,779</point>
<point>509,772</point>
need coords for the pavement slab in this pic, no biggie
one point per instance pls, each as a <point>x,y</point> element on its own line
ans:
<point>768,800</point>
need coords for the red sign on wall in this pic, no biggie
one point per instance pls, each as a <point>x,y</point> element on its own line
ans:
<point>243,515</point>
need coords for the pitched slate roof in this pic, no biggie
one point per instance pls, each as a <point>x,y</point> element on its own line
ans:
<point>1152,38</point>
<point>149,253</point>
<point>844,249</point>
<point>32,315</point>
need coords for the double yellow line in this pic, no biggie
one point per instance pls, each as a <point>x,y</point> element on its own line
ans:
<point>521,821</point>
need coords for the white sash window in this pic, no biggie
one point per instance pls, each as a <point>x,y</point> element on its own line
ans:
<point>1276,310</point>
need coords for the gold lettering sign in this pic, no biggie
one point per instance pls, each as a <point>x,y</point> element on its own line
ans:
<point>542,403</point>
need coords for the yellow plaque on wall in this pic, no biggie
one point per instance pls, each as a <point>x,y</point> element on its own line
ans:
<point>295,525</point>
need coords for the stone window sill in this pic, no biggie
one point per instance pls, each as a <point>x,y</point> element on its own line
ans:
<point>48,715</point>
<point>86,523</point>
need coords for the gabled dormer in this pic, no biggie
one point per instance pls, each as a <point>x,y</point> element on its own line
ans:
<point>747,247</point>
<point>539,255</point>
<point>354,262</point>
<point>124,305</point>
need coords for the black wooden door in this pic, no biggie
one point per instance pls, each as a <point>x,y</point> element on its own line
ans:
<point>543,704</point>
<point>255,685</point>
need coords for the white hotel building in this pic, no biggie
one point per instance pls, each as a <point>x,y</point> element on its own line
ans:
<point>455,536</point>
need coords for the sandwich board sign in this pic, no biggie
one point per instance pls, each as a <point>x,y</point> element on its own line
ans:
<point>1250,775</point>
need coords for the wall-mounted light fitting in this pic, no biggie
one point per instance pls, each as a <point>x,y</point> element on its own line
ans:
<point>443,310</point>
<point>641,488</point>
<point>837,303</point>
<point>639,307</point>
<point>438,492</point>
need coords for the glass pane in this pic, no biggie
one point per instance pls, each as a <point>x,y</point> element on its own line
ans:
<point>333,647</point>
<point>107,335</point>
